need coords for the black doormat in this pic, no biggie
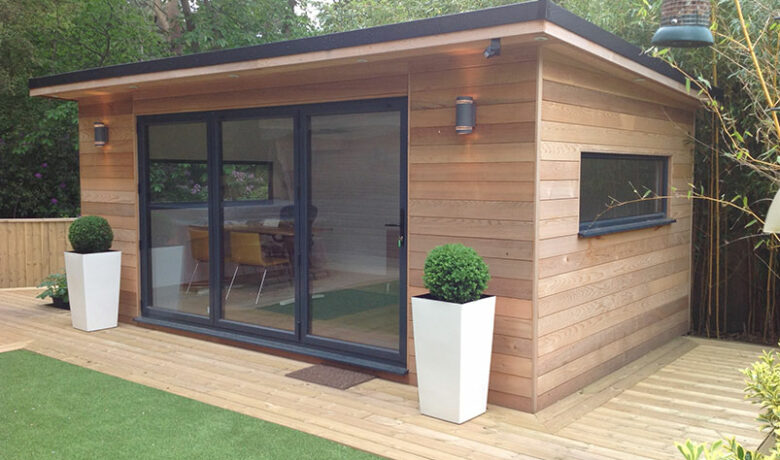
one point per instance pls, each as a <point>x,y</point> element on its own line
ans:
<point>330,376</point>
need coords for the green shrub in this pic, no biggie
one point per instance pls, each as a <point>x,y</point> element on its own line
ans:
<point>455,273</point>
<point>90,234</point>
<point>762,381</point>
<point>56,285</point>
<point>763,388</point>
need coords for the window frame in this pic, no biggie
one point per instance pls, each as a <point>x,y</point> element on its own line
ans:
<point>594,228</point>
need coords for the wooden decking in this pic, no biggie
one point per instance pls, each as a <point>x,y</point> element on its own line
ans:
<point>690,388</point>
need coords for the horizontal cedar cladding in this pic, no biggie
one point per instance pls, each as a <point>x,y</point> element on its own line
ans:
<point>605,301</point>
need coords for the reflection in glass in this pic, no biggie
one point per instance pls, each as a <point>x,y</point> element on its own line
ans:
<point>355,186</point>
<point>258,230</point>
<point>610,179</point>
<point>247,181</point>
<point>178,195</point>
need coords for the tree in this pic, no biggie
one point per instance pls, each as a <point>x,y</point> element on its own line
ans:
<point>53,36</point>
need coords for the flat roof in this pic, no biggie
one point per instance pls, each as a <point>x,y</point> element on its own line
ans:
<point>491,17</point>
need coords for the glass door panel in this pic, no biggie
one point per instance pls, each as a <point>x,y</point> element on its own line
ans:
<point>178,202</point>
<point>258,197</point>
<point>355,220</point>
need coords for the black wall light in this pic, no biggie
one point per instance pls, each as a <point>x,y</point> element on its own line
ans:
<point>101,134</point>
<point>493,48</point>
<point>465,114</point>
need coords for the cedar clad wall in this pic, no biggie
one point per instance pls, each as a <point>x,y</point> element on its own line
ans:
<point>569,310</point>
<point>479,190</point>
<point>109,187</point>
<point>605,301</point>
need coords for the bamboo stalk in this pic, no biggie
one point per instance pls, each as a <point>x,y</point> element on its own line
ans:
<point>757,65</point>
<point>748,328</point>
<point>769,300</point>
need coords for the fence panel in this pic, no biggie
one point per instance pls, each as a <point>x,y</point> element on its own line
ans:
<point>31,249</point>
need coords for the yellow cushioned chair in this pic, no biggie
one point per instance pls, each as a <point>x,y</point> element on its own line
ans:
<point>246,248</point>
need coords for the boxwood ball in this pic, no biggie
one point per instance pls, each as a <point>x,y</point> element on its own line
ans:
<point>455,273</point>
<point>90,234</point>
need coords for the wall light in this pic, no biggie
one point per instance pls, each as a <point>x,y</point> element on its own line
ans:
<point>465,114</point>
<point>101,134</point>
<point>493,49</point>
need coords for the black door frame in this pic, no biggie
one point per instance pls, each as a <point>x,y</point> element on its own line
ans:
<point>299,341</point>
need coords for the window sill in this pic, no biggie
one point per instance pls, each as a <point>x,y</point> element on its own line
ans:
<point>598,231</point>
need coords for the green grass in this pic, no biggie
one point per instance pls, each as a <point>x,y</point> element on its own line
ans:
<point>50,409</point>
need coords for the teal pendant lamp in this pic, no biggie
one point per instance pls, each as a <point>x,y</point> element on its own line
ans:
<point>684,24</point>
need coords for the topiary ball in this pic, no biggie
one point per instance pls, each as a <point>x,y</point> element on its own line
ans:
<point>90,234</point>
<point>455,273</point>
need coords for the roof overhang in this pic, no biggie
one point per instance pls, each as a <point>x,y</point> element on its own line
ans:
<point>520,23</point>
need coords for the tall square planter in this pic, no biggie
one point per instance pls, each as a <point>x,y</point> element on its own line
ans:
<point>93,288</point>
<point>453,345</point>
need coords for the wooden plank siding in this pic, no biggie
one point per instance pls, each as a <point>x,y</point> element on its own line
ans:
<point>604,301</point>
<point>479,190</point>
<point>109,187</point>
<point>31,249</point>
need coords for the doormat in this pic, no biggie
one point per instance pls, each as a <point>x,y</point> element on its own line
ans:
<point>329,376</point>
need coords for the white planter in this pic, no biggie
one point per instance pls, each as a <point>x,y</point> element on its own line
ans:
<point>93,288</point>
<point>453,345</point>
<point>167,262</point>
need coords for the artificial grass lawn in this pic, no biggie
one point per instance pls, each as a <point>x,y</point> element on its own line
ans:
<point>55,410</point>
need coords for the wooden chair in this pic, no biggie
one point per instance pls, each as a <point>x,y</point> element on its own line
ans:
<point>246,248</point>
<point>199,247</point>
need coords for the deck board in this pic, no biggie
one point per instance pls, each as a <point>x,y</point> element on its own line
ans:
<point>673,393</point>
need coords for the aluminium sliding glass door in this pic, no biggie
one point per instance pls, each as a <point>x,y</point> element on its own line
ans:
<point>354,290</point>
<point>178,192</point>
<point>286,224</point>
<point>258,225</point>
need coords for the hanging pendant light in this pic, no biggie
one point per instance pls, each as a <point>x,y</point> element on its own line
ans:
<point>772,223</point>
<point>684,24</point>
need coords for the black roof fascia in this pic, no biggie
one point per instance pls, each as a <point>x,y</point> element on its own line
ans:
<point>502,15</point>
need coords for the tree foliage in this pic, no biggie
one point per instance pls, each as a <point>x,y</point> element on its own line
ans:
<point>38,137</point>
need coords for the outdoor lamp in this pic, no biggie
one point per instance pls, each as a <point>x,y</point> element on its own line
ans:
<point>465,115</point>
<point>772,222</point>
<point>684,24</point>
<point>493,49</point>
<point>101,134</point>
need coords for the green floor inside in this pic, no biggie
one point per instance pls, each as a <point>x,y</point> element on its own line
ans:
<point>55,410</point>
<point>334,304</point>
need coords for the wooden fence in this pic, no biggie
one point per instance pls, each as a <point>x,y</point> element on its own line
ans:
<point>31,249</point>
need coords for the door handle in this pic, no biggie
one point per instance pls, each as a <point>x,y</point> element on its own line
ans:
<point>401,228</point>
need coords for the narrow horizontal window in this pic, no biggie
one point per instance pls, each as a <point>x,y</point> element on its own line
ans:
<point>622,192</point>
